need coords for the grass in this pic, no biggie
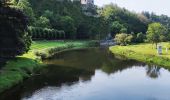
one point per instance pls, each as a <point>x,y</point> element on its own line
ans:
<point>16,70</point>
<point>144,52</point>
<point>39,45</point>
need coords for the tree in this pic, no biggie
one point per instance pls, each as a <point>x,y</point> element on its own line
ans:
<point>14,38</point>
<point>4,3</point>
<point>123,39</point>
<point>25,6</point>
<point>155,32</point>
<point>67,24</point>
<point>140,37</point>
<point>129,38</point>
<point>153,71</point>
<point>123,30</point>
<point>129,20</point>
<point>116,27</point>
<point>43,22</point>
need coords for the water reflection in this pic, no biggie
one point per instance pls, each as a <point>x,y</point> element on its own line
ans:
<point>153,71</point>
<point>93,74</point>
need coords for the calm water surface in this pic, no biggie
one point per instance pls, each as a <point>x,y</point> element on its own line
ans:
<point>93,74</point>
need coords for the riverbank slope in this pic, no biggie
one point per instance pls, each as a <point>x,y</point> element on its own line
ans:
<point>144,52</point>
<point>22,67</point>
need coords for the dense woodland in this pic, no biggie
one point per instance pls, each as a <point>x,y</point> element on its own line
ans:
<point>64,16</point>
<point>64,19</point>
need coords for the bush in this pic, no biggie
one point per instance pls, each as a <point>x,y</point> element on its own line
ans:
<point>14,38</point>
<point>140,37</point>
<point>123,39</point>
<point>48,34</point>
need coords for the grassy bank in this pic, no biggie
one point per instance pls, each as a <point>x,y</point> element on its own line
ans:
<point>145,53</point>
<point>16,70</point>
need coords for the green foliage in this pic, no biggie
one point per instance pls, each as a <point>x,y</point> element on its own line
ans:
<point>123,30</point>
<point>63,15</point>
<point>68,16</point>
<point>140,37</point>
<point>155,33</point>
<point>39,33</point>
<point>67,24</point>
<point>131,21</point>
<point>163,19</point>
<point>25,6</point>
<point>43,22</point>
<point>144,53</point>
<point>116,27</point>
<point>4,3</point>
<point>14,38</point>
<point>123,39</point>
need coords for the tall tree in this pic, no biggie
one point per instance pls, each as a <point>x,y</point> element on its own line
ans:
<point>14,39</point>
<point>67,24</point>
<point>25,6</point>
<point>155,32</point>
<point>116,27</point>
<point>130,20</point>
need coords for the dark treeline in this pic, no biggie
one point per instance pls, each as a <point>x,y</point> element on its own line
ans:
<point>68,16</point>
<point>63,15</point>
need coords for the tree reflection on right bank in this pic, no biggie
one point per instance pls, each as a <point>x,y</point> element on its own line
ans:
<point>153,71</point>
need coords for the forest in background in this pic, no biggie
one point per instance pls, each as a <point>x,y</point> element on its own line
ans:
<point>53,19</point>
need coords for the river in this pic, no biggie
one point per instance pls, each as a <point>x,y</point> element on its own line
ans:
<point>93,74</point>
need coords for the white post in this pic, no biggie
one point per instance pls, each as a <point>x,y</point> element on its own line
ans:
<point>159,49</point>
<point>167,50</point>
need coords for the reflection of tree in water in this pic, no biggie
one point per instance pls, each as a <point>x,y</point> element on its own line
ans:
<point>92,59</point>
<point>153,71</point>
<point>53,75</point>
<point>117,65</point>
<point>113,64</point>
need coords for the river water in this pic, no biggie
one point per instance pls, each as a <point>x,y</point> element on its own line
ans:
<point>93,74</point>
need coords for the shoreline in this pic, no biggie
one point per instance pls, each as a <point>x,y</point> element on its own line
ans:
<point>154,58</point>
<point>25,66</point>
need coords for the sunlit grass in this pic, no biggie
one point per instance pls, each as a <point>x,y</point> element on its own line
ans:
<point>144,52</point>
<point>25,65</point>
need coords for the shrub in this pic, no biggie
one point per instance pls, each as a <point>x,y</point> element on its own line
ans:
<point>41,33</point>
<point>14,38</point>
<point>123,39</point>
<point>140,37</point>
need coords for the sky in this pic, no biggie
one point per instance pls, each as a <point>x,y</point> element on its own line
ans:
<point>157,6</point>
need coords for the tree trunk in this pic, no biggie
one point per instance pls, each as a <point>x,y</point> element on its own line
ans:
<point>156,45</point>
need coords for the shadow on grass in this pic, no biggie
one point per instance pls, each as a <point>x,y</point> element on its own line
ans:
<point>15,70</point>
<point>21,62</point>
<point>3,62</point>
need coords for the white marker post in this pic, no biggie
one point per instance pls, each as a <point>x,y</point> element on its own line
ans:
<point>159,49</point>
<point>167,50</point>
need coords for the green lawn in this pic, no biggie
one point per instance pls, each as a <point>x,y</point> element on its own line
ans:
<point>145,53</point>
<point>24,66</point>
<point>39,45</point>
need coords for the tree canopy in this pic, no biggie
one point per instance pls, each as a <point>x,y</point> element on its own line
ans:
<point>129,20</point>
<point>155,33</point>
<point>14,38</point>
